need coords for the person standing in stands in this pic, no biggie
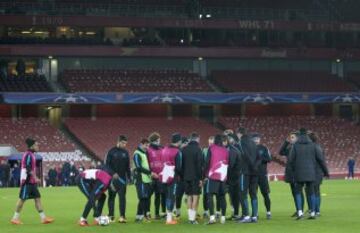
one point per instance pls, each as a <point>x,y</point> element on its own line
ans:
<point>4,173</point>
<point>216,169</point>
<point>351,168</point>
<point>304,157</point>
<point>52,174</point>
<point>65,174</point>
<point>171,159</point>
<point>248,176</point>
<point>29,184</point>
<point>192,160</point>
<point>289,176</point>
<point>73,173</point>
<point>143,180</point>
<point>118,163</point>
<point>265,157</point>
<point>15,176</point>
<point>204,195</point>
<point>319,174</point>
<point>154,157</point>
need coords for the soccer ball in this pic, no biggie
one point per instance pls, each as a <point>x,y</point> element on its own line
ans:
<point>104,220</point>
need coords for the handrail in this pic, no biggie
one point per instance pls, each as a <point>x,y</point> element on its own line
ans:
<point>174,11</point>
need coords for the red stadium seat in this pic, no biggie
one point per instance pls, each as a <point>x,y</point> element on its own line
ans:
<point>338,137</point>
<point>100,135</point>
<point>133,81</point>
<point>279,81</point>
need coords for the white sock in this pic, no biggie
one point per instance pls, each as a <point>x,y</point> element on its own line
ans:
<point>300,213</point>
<point>222,220</point>
<point>247,217</point>
<point>192,215</point>
<point>169,217</point>
<point>212,218</point>
<point>82,219</point>
<point>42,215</point>
<point>16,215</point>
<point>269,213</point>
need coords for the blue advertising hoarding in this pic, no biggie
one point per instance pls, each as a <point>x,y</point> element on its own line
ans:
<point>178,98</point>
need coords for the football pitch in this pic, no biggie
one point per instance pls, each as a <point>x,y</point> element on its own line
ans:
<point>340,213</point>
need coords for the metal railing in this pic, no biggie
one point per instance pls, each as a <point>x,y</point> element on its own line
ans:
<point>153,11</point>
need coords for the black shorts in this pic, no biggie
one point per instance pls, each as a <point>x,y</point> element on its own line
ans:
<point>180,188</point>
<point>253,183</point>
<point>215,187</point>
<point>192,187</point>
<point>158,187</point>
<point>29,191</point>
<point>264,184</point>
<point>143,190</point>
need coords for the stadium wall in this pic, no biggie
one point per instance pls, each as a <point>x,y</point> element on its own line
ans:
<point>187,64</point>
<point>173,110</point>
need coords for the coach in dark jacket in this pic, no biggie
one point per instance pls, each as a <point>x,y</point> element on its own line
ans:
<point>289,176</point>
<point>319,173</point>
<point>304,156</point>
<point>249,175</point>
<point>285,151</point>
<point>233,177</point>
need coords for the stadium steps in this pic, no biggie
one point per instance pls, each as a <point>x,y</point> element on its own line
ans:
<point>222,127</point>
<point>213,85</point>
<point>57,87</point>
<point>77,142</point>
<point>355,84</point>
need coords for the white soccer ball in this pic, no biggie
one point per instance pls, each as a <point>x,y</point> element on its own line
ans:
<point>104,220</point>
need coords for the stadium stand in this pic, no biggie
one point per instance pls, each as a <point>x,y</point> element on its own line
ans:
<point>133,81</point>
<point>279,81</point>
<point>14,132</point>
<point>100,135</point>
<point>337,136</point>
<point>55,147</point>
<point>62,40</point>
<point>354,78</point>
<point>57,159</point>
<point>259,9</point>
<point>26,83</point>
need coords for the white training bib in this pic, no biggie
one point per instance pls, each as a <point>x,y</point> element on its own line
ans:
<point>90,174</point>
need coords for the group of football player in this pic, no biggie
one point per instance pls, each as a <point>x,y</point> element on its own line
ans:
<point>234,163</point>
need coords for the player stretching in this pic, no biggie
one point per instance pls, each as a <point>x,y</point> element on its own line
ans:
<point>93,183</point>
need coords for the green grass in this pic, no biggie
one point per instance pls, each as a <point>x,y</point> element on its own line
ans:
<point>340,213</point>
